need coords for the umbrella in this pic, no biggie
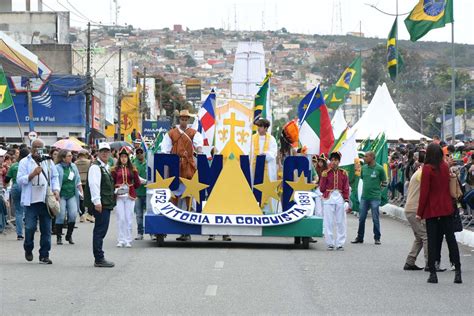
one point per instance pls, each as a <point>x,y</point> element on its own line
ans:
<point>77,141</point>
<point>120,144</point>
<point>15,59</point>
<point>67,144</point>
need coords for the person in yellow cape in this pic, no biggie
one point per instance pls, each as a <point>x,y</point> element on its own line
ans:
<point>263,143</point>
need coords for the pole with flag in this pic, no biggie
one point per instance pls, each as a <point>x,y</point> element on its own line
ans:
<point>348,81</point>
<point>394,59</point>
<point>261,108</point>
<point>428,16</point>
<point>315,130</point>
<point>205,123</point>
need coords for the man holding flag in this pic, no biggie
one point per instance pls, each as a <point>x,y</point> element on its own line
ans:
<point>315,130</point>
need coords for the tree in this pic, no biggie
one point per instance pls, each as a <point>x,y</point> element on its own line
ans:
<point>333,65</point>
<point>169,54</point>
<point>190,62</point>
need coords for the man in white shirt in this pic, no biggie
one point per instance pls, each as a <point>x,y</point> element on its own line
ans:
<point>100,199</point>
<point>34,172</point>
<point>263,143</point>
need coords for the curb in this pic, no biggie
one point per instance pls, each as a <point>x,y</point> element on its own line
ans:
<point>466,237</point>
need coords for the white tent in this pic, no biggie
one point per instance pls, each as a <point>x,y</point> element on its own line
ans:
<point>382,116</point>
<point>338,123</point>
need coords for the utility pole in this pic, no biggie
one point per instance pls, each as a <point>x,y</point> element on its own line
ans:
<point>88,85</point>
<point>143,103</point>
<point>119,97</point>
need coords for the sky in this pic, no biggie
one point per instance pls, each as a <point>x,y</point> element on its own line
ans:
<point>323,17</point>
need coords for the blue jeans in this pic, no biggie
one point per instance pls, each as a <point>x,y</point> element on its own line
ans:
<point>68,206</point>
<point>34,212</point>
<point>19,209</point>
<point>101,226</point>
<point>364,209</point>
<point>140,207</point>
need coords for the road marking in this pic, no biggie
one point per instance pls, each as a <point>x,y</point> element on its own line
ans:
<point>219,265</point>
<point>211,290</point>
<point>466,255</point>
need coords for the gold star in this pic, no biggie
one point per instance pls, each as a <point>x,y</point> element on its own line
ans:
<point>268,188</point>
<point>300,185</point>
<point>193,187</point>
<point>160,183</point>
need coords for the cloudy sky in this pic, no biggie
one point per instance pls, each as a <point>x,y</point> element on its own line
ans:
<point>300,16</point>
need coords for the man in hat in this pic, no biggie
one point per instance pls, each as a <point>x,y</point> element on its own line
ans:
<point>35,173</point>
<point>334,186</point>
<point>263,143</point>
<point>140,202</point>
<point>99,198</point>
<point>183,141</point>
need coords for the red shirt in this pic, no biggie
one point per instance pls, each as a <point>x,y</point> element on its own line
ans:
<point>435,198</point>
<point>122,175</point>
<point>332,180</point>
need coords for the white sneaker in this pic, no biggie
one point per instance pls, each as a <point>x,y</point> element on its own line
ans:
<point>120,245</point>
<point>128,245</point>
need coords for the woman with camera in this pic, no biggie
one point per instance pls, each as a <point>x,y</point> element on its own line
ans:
<point>126,181</point>
<point>71,190</point>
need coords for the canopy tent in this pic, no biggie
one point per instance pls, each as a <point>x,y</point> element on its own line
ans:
<point>382,116</point>
<point>15,59</point>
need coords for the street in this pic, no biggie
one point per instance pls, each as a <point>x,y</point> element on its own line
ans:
<point>249,275</point>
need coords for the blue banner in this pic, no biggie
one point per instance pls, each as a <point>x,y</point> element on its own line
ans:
<point>61,101</point>
<point>150,128</point>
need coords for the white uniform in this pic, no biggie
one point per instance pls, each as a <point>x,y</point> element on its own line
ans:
<point>271,165</point>
<point>334,213</point>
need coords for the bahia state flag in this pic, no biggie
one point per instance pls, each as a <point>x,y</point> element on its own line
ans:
<point>394,58</point>
<point>6,100</point>
<point>206,119</point>
<point>348,81</point>
<point>261,108</point>
<point>428,15</point>
<point>315,130</point>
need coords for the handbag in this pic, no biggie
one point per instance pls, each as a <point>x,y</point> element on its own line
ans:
<point>51,203</point>
<point>454,187</point>
<point>457,221</point>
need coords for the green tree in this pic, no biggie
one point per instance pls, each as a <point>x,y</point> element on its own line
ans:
<point>169,54</point>
<point>190,62</point>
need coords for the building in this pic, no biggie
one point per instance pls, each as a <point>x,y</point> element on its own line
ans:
<point>58,110</point>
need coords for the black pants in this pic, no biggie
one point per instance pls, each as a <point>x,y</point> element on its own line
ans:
<point>101,226</point>
<point>435,228</point>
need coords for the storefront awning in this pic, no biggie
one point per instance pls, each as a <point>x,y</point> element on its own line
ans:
<point>15,59</point>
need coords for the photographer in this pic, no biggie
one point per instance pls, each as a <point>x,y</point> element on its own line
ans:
<point>34,172</point>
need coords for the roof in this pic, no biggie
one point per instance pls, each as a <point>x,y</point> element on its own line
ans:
<point>382,116</point>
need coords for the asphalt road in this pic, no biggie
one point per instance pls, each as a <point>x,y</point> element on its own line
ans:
<point>249,275</point>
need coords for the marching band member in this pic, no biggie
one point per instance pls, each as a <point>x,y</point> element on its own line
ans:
<point>334,186</point>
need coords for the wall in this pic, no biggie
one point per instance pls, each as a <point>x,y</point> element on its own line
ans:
<point>53,27</point>
<point>58,57</point>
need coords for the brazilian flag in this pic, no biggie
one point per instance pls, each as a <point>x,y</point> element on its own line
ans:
<point>348,81</point>
<point>261,105</point>
<point>6,100</point>
<point>428,15</point>
<point>393,55</point>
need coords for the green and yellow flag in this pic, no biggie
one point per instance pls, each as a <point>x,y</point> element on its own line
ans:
<point>348,81</point>
<point>394,59</point>
<point>261,108</point>
<point>428,15</point>
<point>6,100</point>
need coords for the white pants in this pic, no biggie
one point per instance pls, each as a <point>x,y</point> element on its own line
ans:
<point>335,214</point>
<point>318,205</point>
<point>125,206</point>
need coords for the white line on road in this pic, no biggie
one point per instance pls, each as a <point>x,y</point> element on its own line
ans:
<point>211,290</point>
<point>219,265</point>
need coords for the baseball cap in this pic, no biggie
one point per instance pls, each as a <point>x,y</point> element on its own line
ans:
<point>103,146</point>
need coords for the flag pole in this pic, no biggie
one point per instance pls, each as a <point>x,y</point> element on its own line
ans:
<point>359,112</point>
<point>453,87</point>
<point>307,108</point>
<point>396,57</point>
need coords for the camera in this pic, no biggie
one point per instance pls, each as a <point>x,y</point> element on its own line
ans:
<point>41,156</point>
